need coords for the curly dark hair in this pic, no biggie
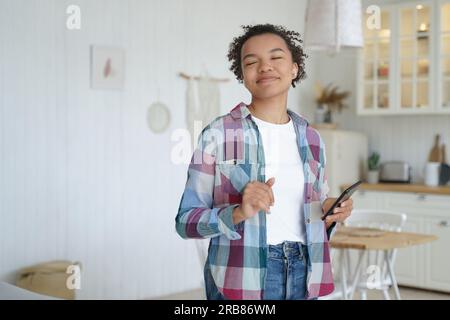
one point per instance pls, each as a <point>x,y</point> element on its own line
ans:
<point>292,39</point>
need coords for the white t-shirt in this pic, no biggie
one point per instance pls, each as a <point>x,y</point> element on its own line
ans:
<point>285,221</point>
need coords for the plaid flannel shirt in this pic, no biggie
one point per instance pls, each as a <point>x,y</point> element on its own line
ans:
<point>229,154</point>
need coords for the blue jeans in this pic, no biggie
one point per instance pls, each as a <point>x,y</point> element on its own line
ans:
<point>286,273</point>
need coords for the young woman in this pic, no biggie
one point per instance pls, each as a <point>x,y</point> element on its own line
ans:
<point>256,184</point>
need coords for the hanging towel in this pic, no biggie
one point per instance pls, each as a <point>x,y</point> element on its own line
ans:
<point>202,103</point>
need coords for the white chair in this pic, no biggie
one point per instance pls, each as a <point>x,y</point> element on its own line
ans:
<point>345,259</point>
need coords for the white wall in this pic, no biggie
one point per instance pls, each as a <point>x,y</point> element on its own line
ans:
<point>81,176</point>
<point>403,138</point>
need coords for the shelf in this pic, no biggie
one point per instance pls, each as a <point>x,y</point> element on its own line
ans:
<point>372,82</point>
<point>415,58</point>
<point>414,110</point>
<point>373,40</point>
<point>423,36</point>
<point>415,38</point>
<point>418,79</point>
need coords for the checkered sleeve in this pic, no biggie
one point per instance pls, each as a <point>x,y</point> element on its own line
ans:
<point>197,218</point>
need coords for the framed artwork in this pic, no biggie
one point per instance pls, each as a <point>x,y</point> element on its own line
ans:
<point>107,67</point>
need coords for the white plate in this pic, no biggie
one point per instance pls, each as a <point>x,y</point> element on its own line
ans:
<point>158,117</point>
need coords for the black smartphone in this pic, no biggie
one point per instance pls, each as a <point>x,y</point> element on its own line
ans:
<point>344,196</point>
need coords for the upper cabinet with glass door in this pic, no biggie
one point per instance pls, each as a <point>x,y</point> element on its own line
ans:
<point>444,57</point>
<point>404,67</point>
<point>415,63</point>
<point>376,63</point>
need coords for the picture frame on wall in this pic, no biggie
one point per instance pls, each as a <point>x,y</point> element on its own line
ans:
<point>107,67</point>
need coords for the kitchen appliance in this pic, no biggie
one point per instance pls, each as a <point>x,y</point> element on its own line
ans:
<point>444,177</point>
<point>432,174</point>
<point>395,172</point>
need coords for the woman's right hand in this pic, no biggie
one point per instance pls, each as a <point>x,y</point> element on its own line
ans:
<point>256,196</point>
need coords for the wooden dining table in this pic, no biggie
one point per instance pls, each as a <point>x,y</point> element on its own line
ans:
<point>367,239</point>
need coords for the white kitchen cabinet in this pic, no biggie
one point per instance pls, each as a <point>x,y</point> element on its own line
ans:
<point>443,56</point>
<point>437,254</point>
<point>366,200</point>
<point>375,64</point>
<point>404,67</point>
<point>409,269</point>
<point>423,266</point>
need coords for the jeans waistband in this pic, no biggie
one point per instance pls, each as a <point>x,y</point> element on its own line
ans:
<point>288,249</point>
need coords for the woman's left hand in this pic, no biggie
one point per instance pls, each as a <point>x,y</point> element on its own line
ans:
<point>340,213</point>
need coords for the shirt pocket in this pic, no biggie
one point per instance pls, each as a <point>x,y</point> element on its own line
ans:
<point>233,175</point>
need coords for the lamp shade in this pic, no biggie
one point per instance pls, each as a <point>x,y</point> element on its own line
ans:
<point>332,24</point>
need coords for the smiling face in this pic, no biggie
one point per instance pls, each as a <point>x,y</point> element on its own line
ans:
<point>267,66</point>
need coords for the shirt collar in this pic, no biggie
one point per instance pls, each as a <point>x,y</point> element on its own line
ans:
<point>241,111</point>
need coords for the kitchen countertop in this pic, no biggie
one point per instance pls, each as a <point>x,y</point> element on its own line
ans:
<point>403,187</point>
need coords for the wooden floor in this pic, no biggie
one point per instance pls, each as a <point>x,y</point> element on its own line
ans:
<point>405,293</point>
